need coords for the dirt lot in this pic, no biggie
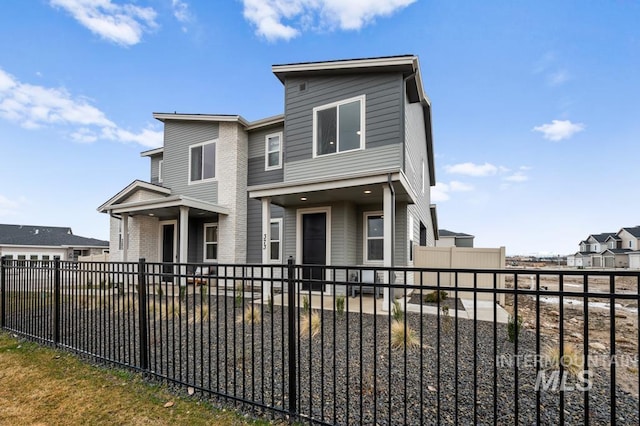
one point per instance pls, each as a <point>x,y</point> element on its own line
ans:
<point>599,319</point>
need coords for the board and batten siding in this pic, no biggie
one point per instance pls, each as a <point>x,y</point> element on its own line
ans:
<point>178,136</point>
<point>383,123</point>
<point>257,146</point>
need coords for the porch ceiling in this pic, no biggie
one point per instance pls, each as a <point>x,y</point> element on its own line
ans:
<point>360,190</point>
<point>169,207</point>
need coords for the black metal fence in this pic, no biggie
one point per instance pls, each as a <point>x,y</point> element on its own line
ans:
<point>341,345</point>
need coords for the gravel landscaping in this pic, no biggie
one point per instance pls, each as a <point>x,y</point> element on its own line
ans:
<point>347,373</point>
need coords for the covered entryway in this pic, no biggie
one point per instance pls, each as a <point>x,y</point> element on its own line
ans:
<point>168,250</point>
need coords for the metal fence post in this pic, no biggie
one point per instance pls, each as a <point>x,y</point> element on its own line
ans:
<point>291,300</point>
<point>3,285</point>
<point>142,315</point>
<point>56,300</point>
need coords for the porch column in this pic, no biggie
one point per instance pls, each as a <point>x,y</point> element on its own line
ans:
<point>184,241</point>
<point>125,236</point>
<point>266,246</point>
<point>388,213</point>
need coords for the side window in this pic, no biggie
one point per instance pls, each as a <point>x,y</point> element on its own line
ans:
<point>210,242</point>
<point>273,151</point>
<point>160,164</point>
<point>339,126</point>
<point>276,240</point>
<point>374,237</point>
<point>202,162</point>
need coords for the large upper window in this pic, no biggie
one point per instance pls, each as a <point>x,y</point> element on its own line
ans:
<point>276,239</point>
<point>339,126</point>
<point>374,237</point>
<point>202,162</point>
<point>210,242</point>
<point>273,151</point>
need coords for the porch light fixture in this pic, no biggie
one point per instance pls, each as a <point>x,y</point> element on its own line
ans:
<point>367,191</point>
<point>303,198</point>
<point>151,214</point>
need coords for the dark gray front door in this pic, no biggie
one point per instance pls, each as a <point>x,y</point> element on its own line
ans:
<point>314,250</point>
<point>168,243</point>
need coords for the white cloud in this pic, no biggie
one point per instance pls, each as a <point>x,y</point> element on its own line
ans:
<point>122,24</point>
<point>441,191</point>
<point>517,177</point>
<point>34,106</point>
<point>285,19</point>
<point>181,13</point>
<point>558,77</point>
<point>558,130</point>
<point>472,169</point>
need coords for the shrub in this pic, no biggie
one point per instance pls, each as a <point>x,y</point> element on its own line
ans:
<point>201,313</point>
<point>310,325</point>
<point>446,319</point>
<point>305,305</point>
<point>435,296</point>
<point>160,292</point>
<point>239,295</point>
<point>396,311</point>
<point>571,359</point>
<point>251,315</point>
<point>402,335</point>
<point>340,304</point>
<point>514,327</point>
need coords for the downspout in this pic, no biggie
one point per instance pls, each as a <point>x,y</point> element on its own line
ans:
<point>392,275</point>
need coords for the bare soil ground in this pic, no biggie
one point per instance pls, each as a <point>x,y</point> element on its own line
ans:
<point>599,317</point>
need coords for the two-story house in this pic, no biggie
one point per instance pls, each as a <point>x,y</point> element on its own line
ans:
<point>343,177</point>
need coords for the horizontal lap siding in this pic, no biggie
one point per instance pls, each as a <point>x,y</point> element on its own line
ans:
<point>383,122</point>
<point>179,135</point>
<point>257,146</point>
<point>155,168</point>
<point>254,229</point>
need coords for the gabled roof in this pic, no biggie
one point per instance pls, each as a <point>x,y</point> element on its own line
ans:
<point>446,233</point>
<point>617,251</point>
<point>635,231</point>
<point>584,253</point>
<point>54,236</point>
<point>613,237</point>
<point>129,190</point>
<point>601,238</point>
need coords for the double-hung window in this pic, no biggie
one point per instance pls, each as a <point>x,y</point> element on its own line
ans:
<point>210,242</point>
<point>374,237</point>
<point>339,126</point>
<point>273,151</point>
<point>276,240</point>
<point>202,162</point>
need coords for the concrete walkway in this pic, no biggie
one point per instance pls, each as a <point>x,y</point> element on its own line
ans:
<point>483,310</point>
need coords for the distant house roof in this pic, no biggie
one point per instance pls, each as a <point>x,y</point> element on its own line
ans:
<point>447,233</point>
<point>635,231</point>
<point>54,236</point>
<point>601,238</point>
<point>617,251</point>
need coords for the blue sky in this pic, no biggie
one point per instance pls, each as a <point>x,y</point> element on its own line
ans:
<point>535,103</point>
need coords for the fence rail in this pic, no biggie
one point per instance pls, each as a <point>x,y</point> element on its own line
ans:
<point>318,344</point>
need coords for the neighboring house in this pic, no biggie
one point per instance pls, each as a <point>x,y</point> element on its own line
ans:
<point>453,239</point>
<point>342,178</point>
<point>43,243</point>
<point>609,250</point>
<point>629,238</point>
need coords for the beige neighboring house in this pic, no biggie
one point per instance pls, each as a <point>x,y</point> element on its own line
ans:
<point>44,243</point>
<point>453,239</point>
<point>609,250</point>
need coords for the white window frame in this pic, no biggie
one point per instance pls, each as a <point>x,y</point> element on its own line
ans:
<point>160,164</point>
<point>410,236</point>
<point>215,164</point>
<point>365,238</point>
<point>267,152</point>
<point>362,99</point>
<point>279,240</point>
<point>120,239</point>
<point>204,242</point>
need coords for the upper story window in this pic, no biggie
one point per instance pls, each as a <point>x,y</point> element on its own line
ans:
<point>273,151</point>
<point>631,244</point>
<point>202,162</point>
<point>276,239</point>
<point>210,242</point>
<point>374,237</point>
<point>160,164</point>
<point>339,126</point>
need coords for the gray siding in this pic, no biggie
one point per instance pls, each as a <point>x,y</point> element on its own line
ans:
<point>155,168</point>
<point>257,173</point>
<point>383,113</point>
<point>254,229</point>
<point>178,136</point>
<point>415,154</point>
